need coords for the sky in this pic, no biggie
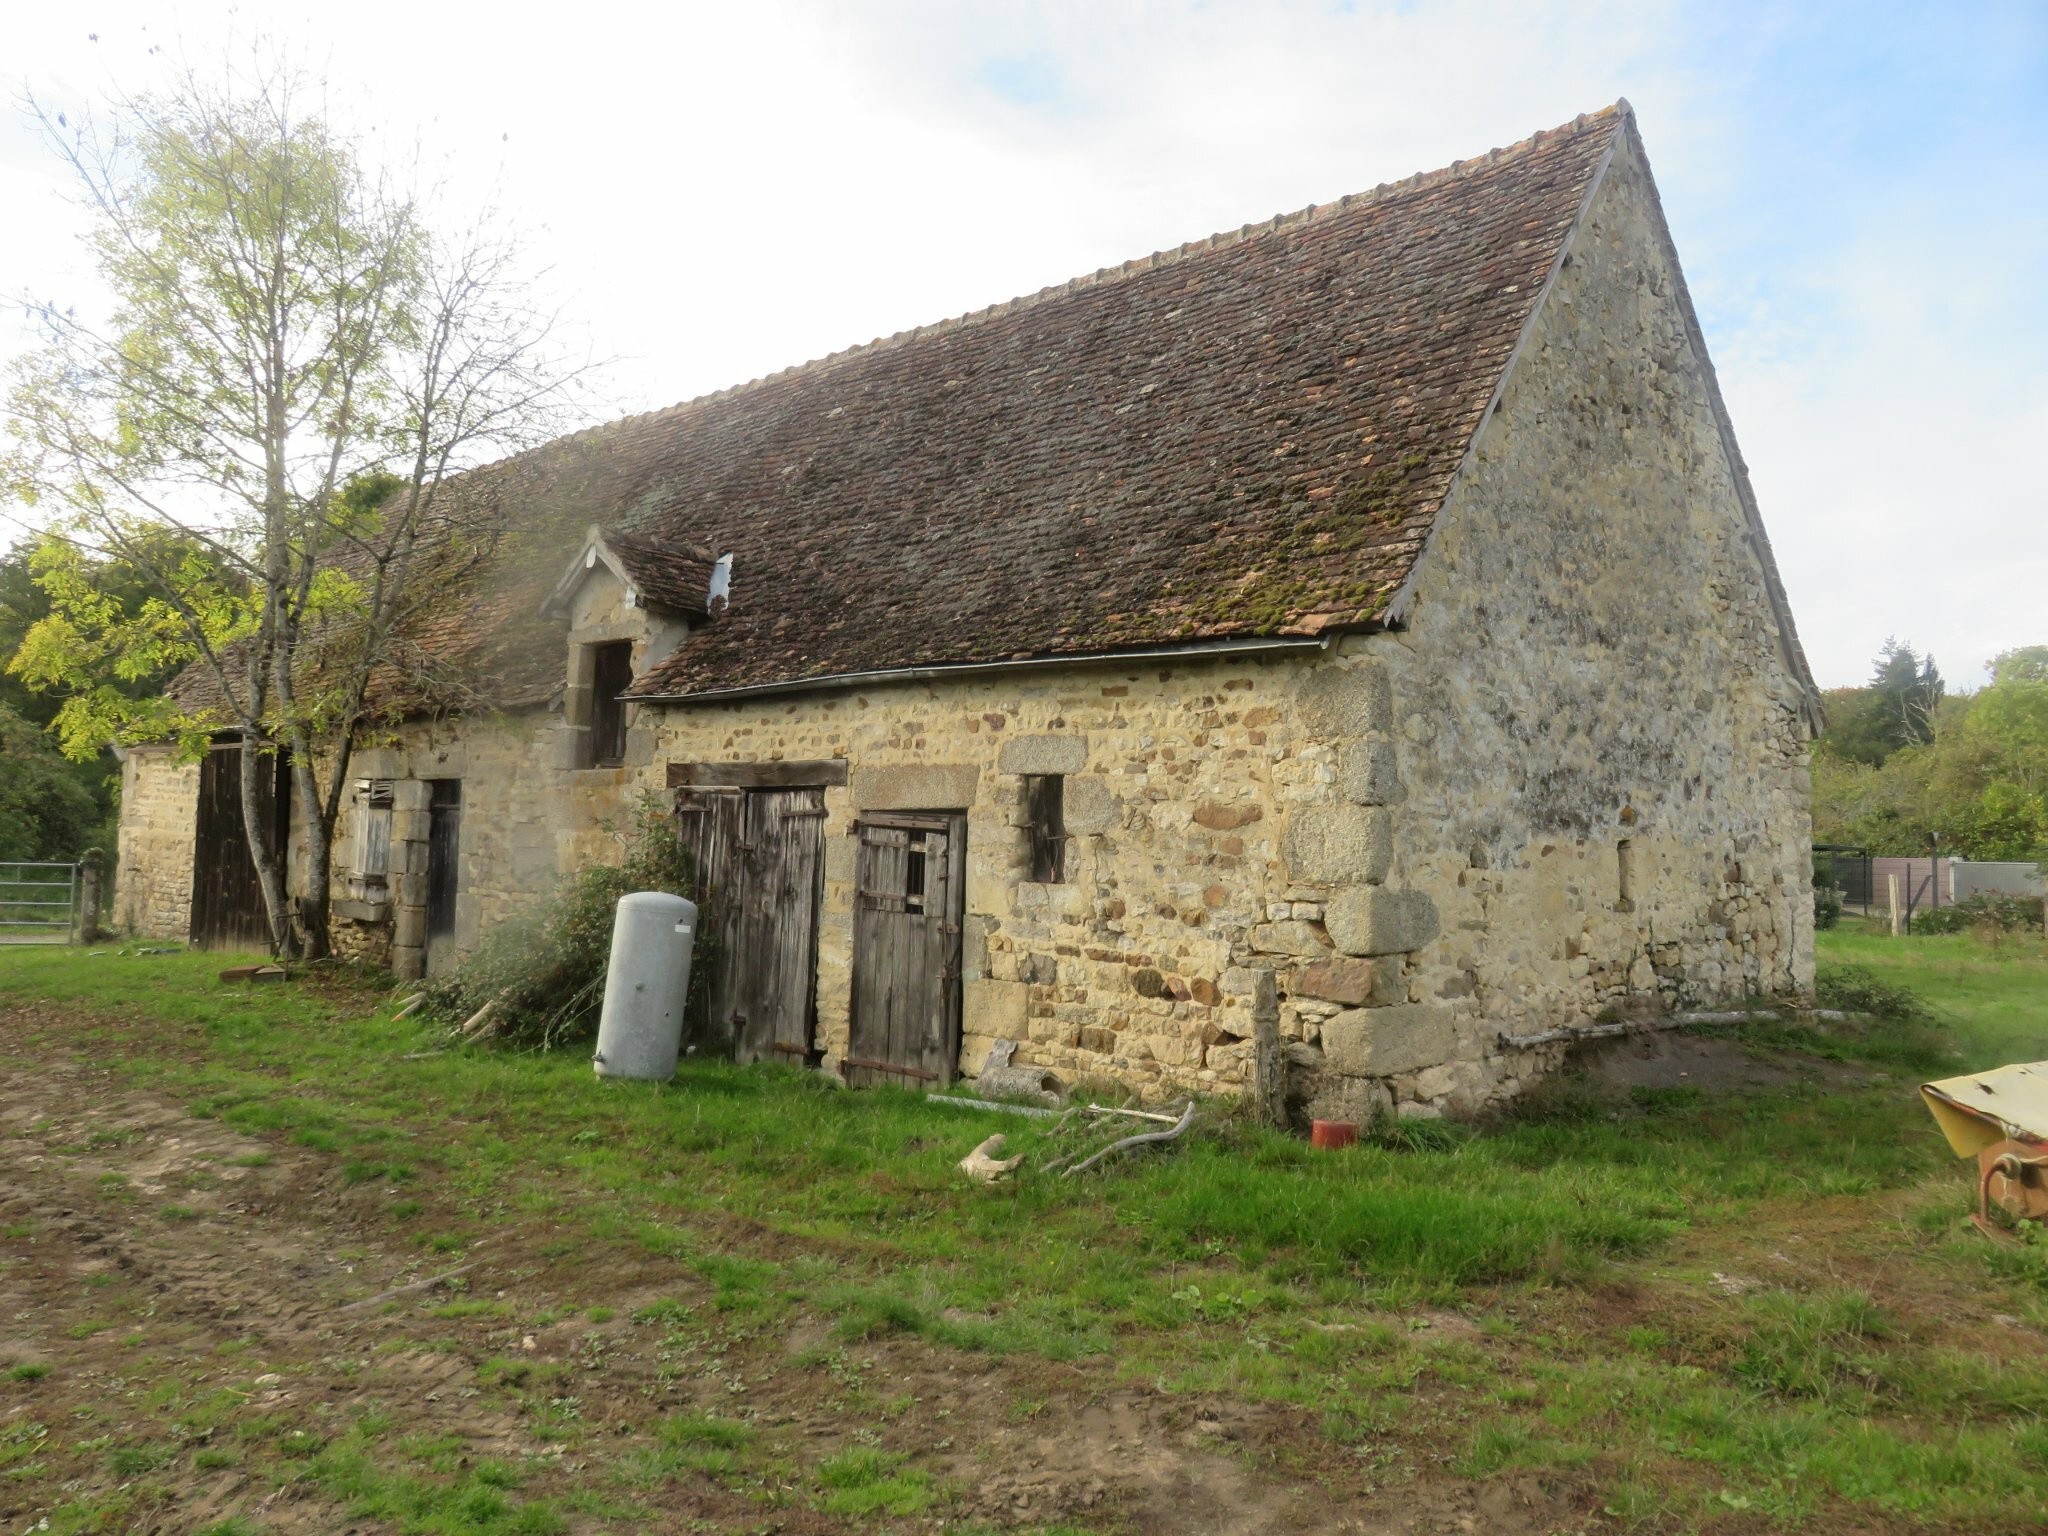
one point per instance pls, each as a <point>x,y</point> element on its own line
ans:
<point>1859,194</point>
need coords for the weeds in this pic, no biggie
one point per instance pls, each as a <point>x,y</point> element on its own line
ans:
<point>1245,1265</point>
<point>867,1481</point>
<point>1813,1346</point>
<point>1855,989</point>
<point>543,973</point>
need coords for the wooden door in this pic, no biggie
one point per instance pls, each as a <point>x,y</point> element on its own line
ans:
<point>759,872</point>
<point>444,854</point>
<point>227,898</point>
<point>910,891</point>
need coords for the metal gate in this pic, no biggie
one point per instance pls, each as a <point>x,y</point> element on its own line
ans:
<point>38,903</point>
<point>758,871</point>
<point>910,893</point>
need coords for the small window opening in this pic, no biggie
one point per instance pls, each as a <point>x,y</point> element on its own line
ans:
<point>913,876</point>
<point>1045,817</point>
<point>373,833</point>
<point>611,674</point>
<point>1625,875</point>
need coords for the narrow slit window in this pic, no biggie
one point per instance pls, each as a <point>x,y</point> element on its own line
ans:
<point>611,674</point>
<point>913,876</point>
<point>1625,875</point>
<point>1045,817</point>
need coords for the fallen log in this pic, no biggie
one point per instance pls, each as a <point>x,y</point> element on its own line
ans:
<point>997,1105</point>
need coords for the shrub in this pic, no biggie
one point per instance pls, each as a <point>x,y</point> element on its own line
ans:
<point>545,970</point>
<point>1827,903</point>
<point>1987,909</point>
<point>1853,989</point>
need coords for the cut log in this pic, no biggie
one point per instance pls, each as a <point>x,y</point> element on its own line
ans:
<point>1032,1084</point>
<point>983,1164</point>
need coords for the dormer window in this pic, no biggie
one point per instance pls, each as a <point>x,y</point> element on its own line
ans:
<point>611,674</point>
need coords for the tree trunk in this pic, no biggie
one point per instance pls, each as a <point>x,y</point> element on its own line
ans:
<point>316,821</point>
<point>259,790</point>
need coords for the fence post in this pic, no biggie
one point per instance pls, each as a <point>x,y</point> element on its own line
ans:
<point>87,915</point>
<point>1892,881</point>
<point>1269,1055</point>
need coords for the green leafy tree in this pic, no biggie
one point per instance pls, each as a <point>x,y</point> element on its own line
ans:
<point>1858,731</point>
<point>48,810</point>
<point>295,365</point>
<point>1979,779</point>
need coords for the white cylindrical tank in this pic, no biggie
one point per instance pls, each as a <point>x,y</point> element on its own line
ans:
<point>640,1031</point>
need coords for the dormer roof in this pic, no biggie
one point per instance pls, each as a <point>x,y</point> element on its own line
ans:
<point>675,576</point>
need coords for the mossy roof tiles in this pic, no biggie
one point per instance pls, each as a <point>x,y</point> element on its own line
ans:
<point>1247,436</point>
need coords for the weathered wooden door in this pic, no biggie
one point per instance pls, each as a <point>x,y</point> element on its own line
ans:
<point>910,891</point>
<point>759,876</point>
<point>227,898</point>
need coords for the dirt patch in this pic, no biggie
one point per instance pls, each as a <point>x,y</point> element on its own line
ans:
<point>180,1346</point>
<point>1710,1063</point>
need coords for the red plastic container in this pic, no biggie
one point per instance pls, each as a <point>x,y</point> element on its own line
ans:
<point>1332,1134</point>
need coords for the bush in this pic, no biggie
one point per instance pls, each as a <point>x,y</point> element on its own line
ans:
<point>546,969</point>
<point>1827,902</point>
<point>1987,909</point>
<point>1853,989</point>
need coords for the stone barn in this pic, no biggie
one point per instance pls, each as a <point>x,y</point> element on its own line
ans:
<point>1354,632</point>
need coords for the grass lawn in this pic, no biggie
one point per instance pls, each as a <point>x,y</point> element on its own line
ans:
<point>1758,1310</point>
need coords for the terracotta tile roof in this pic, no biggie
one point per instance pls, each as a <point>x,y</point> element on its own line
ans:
<point>1247,436</point>
<point>674,574</point>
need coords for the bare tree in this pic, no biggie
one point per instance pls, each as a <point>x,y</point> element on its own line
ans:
<point>296,365</point>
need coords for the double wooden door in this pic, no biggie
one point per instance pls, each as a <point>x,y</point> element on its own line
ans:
<point>909,896</point>
<point>759,873</point>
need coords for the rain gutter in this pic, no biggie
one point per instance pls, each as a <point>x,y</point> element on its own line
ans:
<point>1266,646</point>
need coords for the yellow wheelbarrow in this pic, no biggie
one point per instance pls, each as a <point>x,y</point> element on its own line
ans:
<point>2000,1118</point>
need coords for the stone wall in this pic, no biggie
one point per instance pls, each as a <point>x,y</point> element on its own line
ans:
<point>159,815</point>
<point>1601,755</point>
<point>1179,782</point>
<point>1140,965</point>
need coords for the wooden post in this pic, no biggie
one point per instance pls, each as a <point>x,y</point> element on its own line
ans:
<point>88,914</point>
<point>1898,917</point>
<point>1269,1059</point>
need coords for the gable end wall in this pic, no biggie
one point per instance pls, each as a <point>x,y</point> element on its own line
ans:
<point>1592,657</point>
